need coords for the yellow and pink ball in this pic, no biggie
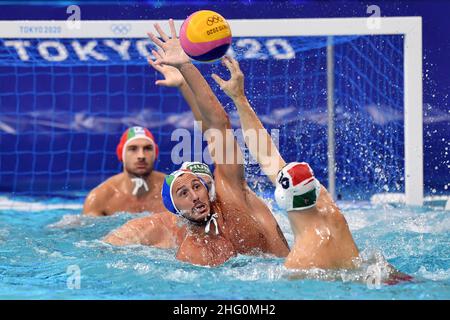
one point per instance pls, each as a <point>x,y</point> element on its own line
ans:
<point>205,36</point>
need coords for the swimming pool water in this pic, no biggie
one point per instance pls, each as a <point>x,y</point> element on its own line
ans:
<point>44,243</point>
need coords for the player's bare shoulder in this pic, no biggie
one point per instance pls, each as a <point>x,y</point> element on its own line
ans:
<point>158,176</point>
<point>96,199</point>
<point>109,186</point>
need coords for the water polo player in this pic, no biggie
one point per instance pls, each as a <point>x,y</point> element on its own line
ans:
<point>248,222</point>
<point>322,236</point>
<point>207,239</point>
<point>161,230</point>
<point>138,187</point>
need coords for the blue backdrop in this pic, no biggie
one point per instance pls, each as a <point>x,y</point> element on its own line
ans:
<point>289,95</point>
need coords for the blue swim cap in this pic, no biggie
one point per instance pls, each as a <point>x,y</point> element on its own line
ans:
<point>166,190</point>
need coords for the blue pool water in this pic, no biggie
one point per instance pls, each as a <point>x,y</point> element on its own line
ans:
<point>42,242</point>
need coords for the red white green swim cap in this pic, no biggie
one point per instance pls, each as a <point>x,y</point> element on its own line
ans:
<point>296,187</point>
<point>131,134</point>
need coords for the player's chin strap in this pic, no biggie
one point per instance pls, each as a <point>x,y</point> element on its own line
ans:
<point>139,183</point>
<point>211,217</point>
<point>214,220</point>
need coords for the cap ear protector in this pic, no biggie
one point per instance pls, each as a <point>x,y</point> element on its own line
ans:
<point>296,187</point>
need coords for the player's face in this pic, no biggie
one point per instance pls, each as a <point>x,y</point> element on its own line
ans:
<point>139,157</point>
<point>191,197</point>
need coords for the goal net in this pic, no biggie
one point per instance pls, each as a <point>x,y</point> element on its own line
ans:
<point>337,93</point>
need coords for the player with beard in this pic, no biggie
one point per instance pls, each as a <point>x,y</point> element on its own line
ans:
<point>247,222</point>
<point>136,189</point>
<point>244,220</point>
<point>207,241</point>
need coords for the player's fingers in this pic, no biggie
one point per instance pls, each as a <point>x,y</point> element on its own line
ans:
<point>157,54</point>
<point>158,42</point>
<point>218,79</point>
<point>161,82</point>
<point>228,64</point>
<point>161,53</point>
<point>154,65</point>
<point>173,31</point>
<point>235,63</point>
<point>163,35</point>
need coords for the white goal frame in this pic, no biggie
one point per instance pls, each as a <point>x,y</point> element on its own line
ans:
<point>410,27</point>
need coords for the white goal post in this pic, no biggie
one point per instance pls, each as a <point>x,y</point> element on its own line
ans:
<point>409,27</point>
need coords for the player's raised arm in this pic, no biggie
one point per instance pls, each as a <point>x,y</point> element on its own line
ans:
<point>174,78</point>
<point>215,122</point>
<point>257,139</point>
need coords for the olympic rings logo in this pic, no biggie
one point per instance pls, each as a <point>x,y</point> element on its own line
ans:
<point>214,19</point>
<point>120,29</point>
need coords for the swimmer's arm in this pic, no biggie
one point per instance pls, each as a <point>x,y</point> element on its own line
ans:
<point>222,144</point>
<point>194,254</point>
<point>137,231</point>
<point>215,121</point>
<point>189,97</point>
<point>304,252</point>
<point>279,244</point>
<point>257,139</point>
<point>174,78</point>
<point>263,149</point>
<point>119,237</point>
<point>93,205</point>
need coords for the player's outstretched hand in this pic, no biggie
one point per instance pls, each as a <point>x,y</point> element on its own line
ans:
<point>173,52</point>
<point>234,87</point>
<point>172,76</point>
